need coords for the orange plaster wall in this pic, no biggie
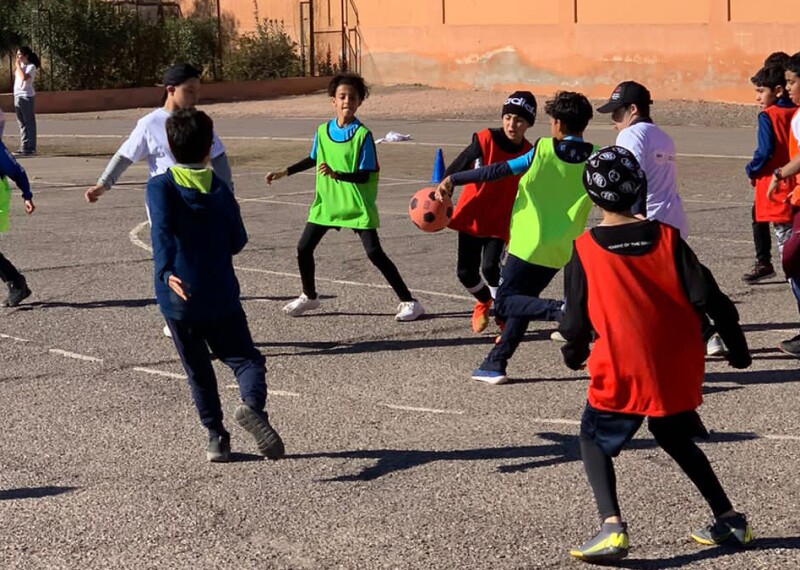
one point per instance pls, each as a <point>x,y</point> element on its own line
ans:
<point>685,49</point>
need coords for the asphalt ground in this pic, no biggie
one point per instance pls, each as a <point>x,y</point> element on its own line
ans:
<point>396,459</point>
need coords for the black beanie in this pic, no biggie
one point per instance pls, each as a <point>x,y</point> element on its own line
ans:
<point>522,104</point>
<point>613,179</point>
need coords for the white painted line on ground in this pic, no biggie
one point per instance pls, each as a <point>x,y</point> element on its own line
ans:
<point>425,410</point>
<point>782,437</point>
<point>74,355</point>
<point>14,338</point>
<point>558,421</point>
<point>134,237</point>
<point>155,372</point>
<point>270,392</point>
<point>356,283</point>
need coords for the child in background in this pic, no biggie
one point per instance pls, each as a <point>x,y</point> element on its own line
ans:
<point>636,291</point>
<point>773,150</point>
<point>483,212</point>
<point>550,211</point>
<point>346,190</point>
<point>196,229</point>
<point>9,168</point>
<point>789,175</point>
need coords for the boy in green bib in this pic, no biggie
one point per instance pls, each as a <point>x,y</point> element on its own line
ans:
<point>10,168</point>
<point>346,190</point>
<point>550,211</point>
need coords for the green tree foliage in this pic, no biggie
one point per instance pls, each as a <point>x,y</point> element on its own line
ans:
<point>94,44</point>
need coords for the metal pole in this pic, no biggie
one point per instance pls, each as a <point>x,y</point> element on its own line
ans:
<point>219,37</point>
<point>344,36</point>
<point>311,47</point>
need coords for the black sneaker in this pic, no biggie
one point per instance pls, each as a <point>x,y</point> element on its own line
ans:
<point>791,346</point>
<point>17,292</point>
<point>257,424</point>
<point>219,448</point>
<point>734,531</point>
<point>760,271</point>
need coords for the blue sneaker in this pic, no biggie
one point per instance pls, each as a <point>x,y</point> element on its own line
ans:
<point>489,376</point>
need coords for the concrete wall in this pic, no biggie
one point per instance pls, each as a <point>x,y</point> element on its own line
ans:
<point>109,99</point>
<point>684,49</point>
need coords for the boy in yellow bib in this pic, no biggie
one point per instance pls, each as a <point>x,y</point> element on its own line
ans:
<point>346,190</point>
<point>550,211</point>
<point>10,168</point>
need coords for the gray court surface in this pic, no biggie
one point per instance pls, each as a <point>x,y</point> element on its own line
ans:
<point>396,459</point>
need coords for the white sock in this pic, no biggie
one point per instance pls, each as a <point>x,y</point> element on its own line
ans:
<point>493,291</point>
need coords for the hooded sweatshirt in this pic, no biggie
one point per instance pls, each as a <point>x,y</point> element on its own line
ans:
<point>196,229</point>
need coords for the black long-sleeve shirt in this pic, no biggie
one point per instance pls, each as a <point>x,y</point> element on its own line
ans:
<point>358,177</point>
<point>699,284</point>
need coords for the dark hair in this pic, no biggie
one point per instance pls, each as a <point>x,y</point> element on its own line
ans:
<point>770,76</point>
<point>190,133</point>
<point>32,57</point>
<point>793,65</point>
<point>779,58</point>
<point>572,109</point>
<point>352,79</point>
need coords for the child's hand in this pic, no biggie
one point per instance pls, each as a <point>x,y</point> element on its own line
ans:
<point>275,176</point>
<point>93,193</point>
<point>773,186</point>
<point>752,183</point>
<point>176,285</point>
<point>326,170</point>
<point>444,190</point>
<point>29,207</point>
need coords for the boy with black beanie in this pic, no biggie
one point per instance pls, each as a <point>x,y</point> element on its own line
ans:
<point>637,291</point>
<point>483,212</point>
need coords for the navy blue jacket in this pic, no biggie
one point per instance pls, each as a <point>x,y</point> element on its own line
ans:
<point>13,169</point>
<point>195,236</point>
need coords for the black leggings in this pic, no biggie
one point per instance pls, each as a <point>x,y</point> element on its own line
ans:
<point>478,255</point>
<point>313,234</point>
<point>678,444</point>
<point>9,273</point>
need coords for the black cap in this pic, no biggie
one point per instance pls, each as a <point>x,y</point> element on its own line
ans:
<point>627,93</point>
<point>180,73</point>
<point>613,179</point>
<point>522,104</point>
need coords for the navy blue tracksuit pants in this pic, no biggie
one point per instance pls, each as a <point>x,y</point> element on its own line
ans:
<point>518,304</point>
<point>230,340</point>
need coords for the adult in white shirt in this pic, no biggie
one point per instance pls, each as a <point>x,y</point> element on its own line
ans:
<point>148,140</point>
<point>629,106</point>
<point>24,99</point>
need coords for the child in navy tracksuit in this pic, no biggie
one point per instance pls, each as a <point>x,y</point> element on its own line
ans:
<point>196,230</point>
<point>10,275</point>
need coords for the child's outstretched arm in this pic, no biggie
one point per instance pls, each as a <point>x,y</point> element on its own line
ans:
<point>707,298</point>
<point>300,166</point>
<point>14,170</point>
<point>487,173</point>
<point>468,158</point>
<point>575,327</point>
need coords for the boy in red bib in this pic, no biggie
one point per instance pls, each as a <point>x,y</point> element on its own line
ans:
<point>772,152</point>
<point>637,291</point>
<point>483,212</point>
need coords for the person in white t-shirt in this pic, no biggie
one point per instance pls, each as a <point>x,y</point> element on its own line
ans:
<point>148,140</point>
<point>24,99</point>
<point>629,106</point>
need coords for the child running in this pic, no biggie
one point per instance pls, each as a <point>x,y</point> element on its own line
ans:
<point>196,229</point>
<point>549,212</point>
<point>148,140</point>
<point>483,212</point>
<point>346,189</point>
<point>636,291</point>
<point>9,168</point>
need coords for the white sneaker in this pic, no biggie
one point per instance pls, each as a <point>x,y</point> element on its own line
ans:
<point>557,336</point>
<point>300,306</point>
<point>409,311</point>
<point>167,332</point>
<point>715,346</point>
